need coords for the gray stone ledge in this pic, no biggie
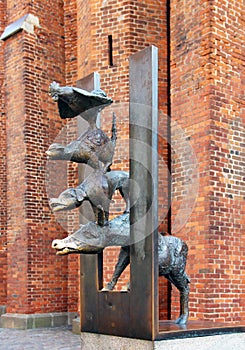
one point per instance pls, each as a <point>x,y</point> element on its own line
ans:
<point>29,321</point>
<point>92,341</point>
<point>27,22</point>
<point>235,341</point>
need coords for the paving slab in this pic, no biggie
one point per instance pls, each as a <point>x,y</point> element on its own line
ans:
<point>60,338</point>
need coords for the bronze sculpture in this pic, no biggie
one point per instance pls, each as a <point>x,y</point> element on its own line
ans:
<point>172,254</point>
<point>98,188</point>
<point>97,150</point>
<point>93,148</point>
<point>73,101</point>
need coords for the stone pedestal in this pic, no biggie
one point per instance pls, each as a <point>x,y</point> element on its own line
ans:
<point>92,341</point>
<point>202,335</point>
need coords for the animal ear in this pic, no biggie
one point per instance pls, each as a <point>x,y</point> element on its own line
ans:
<point>80,194</point>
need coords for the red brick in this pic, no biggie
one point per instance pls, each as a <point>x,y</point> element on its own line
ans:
<point>207,114</point>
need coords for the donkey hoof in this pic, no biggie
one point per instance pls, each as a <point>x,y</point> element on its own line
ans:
<point>182,320</point>
<point>108,287</point>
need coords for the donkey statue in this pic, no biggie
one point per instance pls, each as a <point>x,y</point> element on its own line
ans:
<point>172,253</point>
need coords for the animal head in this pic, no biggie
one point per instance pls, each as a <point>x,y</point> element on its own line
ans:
<point>67,200</point>
<point>86,240</point>
<point>56,151</point>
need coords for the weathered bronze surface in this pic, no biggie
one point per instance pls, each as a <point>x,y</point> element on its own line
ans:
<point>143,119</point>
<point>93,147</point>
<point>73,101</point>
<point>172,253</point>
<point>98,188</point>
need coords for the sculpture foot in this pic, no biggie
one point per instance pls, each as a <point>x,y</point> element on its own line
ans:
<point>182,320</point>
<point>108,287</point>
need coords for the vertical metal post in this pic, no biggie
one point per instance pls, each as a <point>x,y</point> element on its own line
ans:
<point>143,191</point>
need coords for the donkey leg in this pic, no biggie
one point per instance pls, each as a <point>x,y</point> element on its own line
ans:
<point>102,216</point>
<point>181,282</point>
<point>122,263</point>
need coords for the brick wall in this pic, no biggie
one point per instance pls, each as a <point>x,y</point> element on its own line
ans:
<point>3,191</point>
<point>36,279</point>
<point>208,104</point>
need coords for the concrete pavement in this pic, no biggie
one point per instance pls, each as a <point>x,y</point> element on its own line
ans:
<point>39,339</point>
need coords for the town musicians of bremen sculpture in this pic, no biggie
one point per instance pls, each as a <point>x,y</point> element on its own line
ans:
<point>96,149</point>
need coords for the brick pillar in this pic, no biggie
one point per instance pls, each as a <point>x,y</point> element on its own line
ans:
<point>3,191</point>
<point>33,57</point>
<point>208,105</point>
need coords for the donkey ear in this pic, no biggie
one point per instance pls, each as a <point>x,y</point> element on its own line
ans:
<point>80,194</point>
